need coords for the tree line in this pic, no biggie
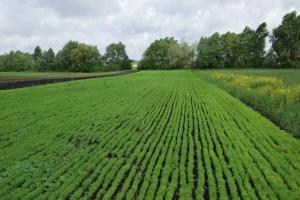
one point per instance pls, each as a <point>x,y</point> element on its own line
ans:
<point>229,50</point>
<point>74,56</point>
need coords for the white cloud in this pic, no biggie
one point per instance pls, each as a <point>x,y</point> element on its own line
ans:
<point>51,23</point>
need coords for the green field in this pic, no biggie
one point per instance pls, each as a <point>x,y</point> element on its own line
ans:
<point>148,135</point>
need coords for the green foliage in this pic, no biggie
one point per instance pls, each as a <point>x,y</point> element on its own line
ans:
<point>147,135</point>
<point>116,57</point>
<point>233,50</point>
<point>16,61</point>
<point>167,53</point>
<point>247,49</point>
<point>155,56</point>
<point>243,50</point>
<point>78,57</point>
<point>74,56</point>
<point>180,55</point>
<point>252,46</point>
<point>37,54</point>
<point>209,51</point>
<point>64,55</point>
<point>286,40</point>
<point>261,33</point>
<point>270,59</point>
<point>85,58</point>
<point>230,49</point>
<point>48,61</point>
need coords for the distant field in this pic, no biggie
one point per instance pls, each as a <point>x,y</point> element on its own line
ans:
<point>25,76</point>
<point>275,93</point>
<point>12,80</point>
<point>147,135</point>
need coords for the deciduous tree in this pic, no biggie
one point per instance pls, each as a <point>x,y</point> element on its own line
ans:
<point>48,61</point>
<point>286,41</point>
<point>116,56</point>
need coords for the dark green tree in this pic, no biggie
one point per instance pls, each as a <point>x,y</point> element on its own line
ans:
<point>75,56</point>
<point>116,56</point>
<point>247,45</point>
<point>270,59</point>
<point>209,52</point>
<point>251,49</point>
<point>85,58</point>
<point>157,55</point>
<point>261,33</point>
<point>180,55</point>
<point>37,54</point>
<point>64,61</point>
<point>286,41</point>
<point>48,61</point>
<point>230,49</point>
<point>16,61</point>
<point>246,49</point>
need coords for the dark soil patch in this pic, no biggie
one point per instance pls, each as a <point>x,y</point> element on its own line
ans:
<point>30,83</point>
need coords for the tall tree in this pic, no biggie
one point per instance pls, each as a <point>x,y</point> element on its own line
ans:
<point>48,60</point>
<point>286,40</point>
<point>64,56</point>
<point>270,59</point>
<point>261,33</point>
<point>116,56</point>
<point>247,56</point>
<point>180,55</point>
<point>85,58</point>
<point>76,56</point>
<point>37,54</point>
<point>231,49</point>
<point>158,54</point>
<point>209,52</point>
<point>246,49</point>
<point>16,61</point>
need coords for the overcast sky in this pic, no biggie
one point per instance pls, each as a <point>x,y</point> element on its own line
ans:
<point>51,23</point>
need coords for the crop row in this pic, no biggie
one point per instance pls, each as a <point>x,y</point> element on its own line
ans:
<point>150,135</point>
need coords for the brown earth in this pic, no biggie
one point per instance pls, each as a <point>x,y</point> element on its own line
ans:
<point>29,83</point>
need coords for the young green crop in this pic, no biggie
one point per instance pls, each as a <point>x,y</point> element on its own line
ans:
<point>149,135</point>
